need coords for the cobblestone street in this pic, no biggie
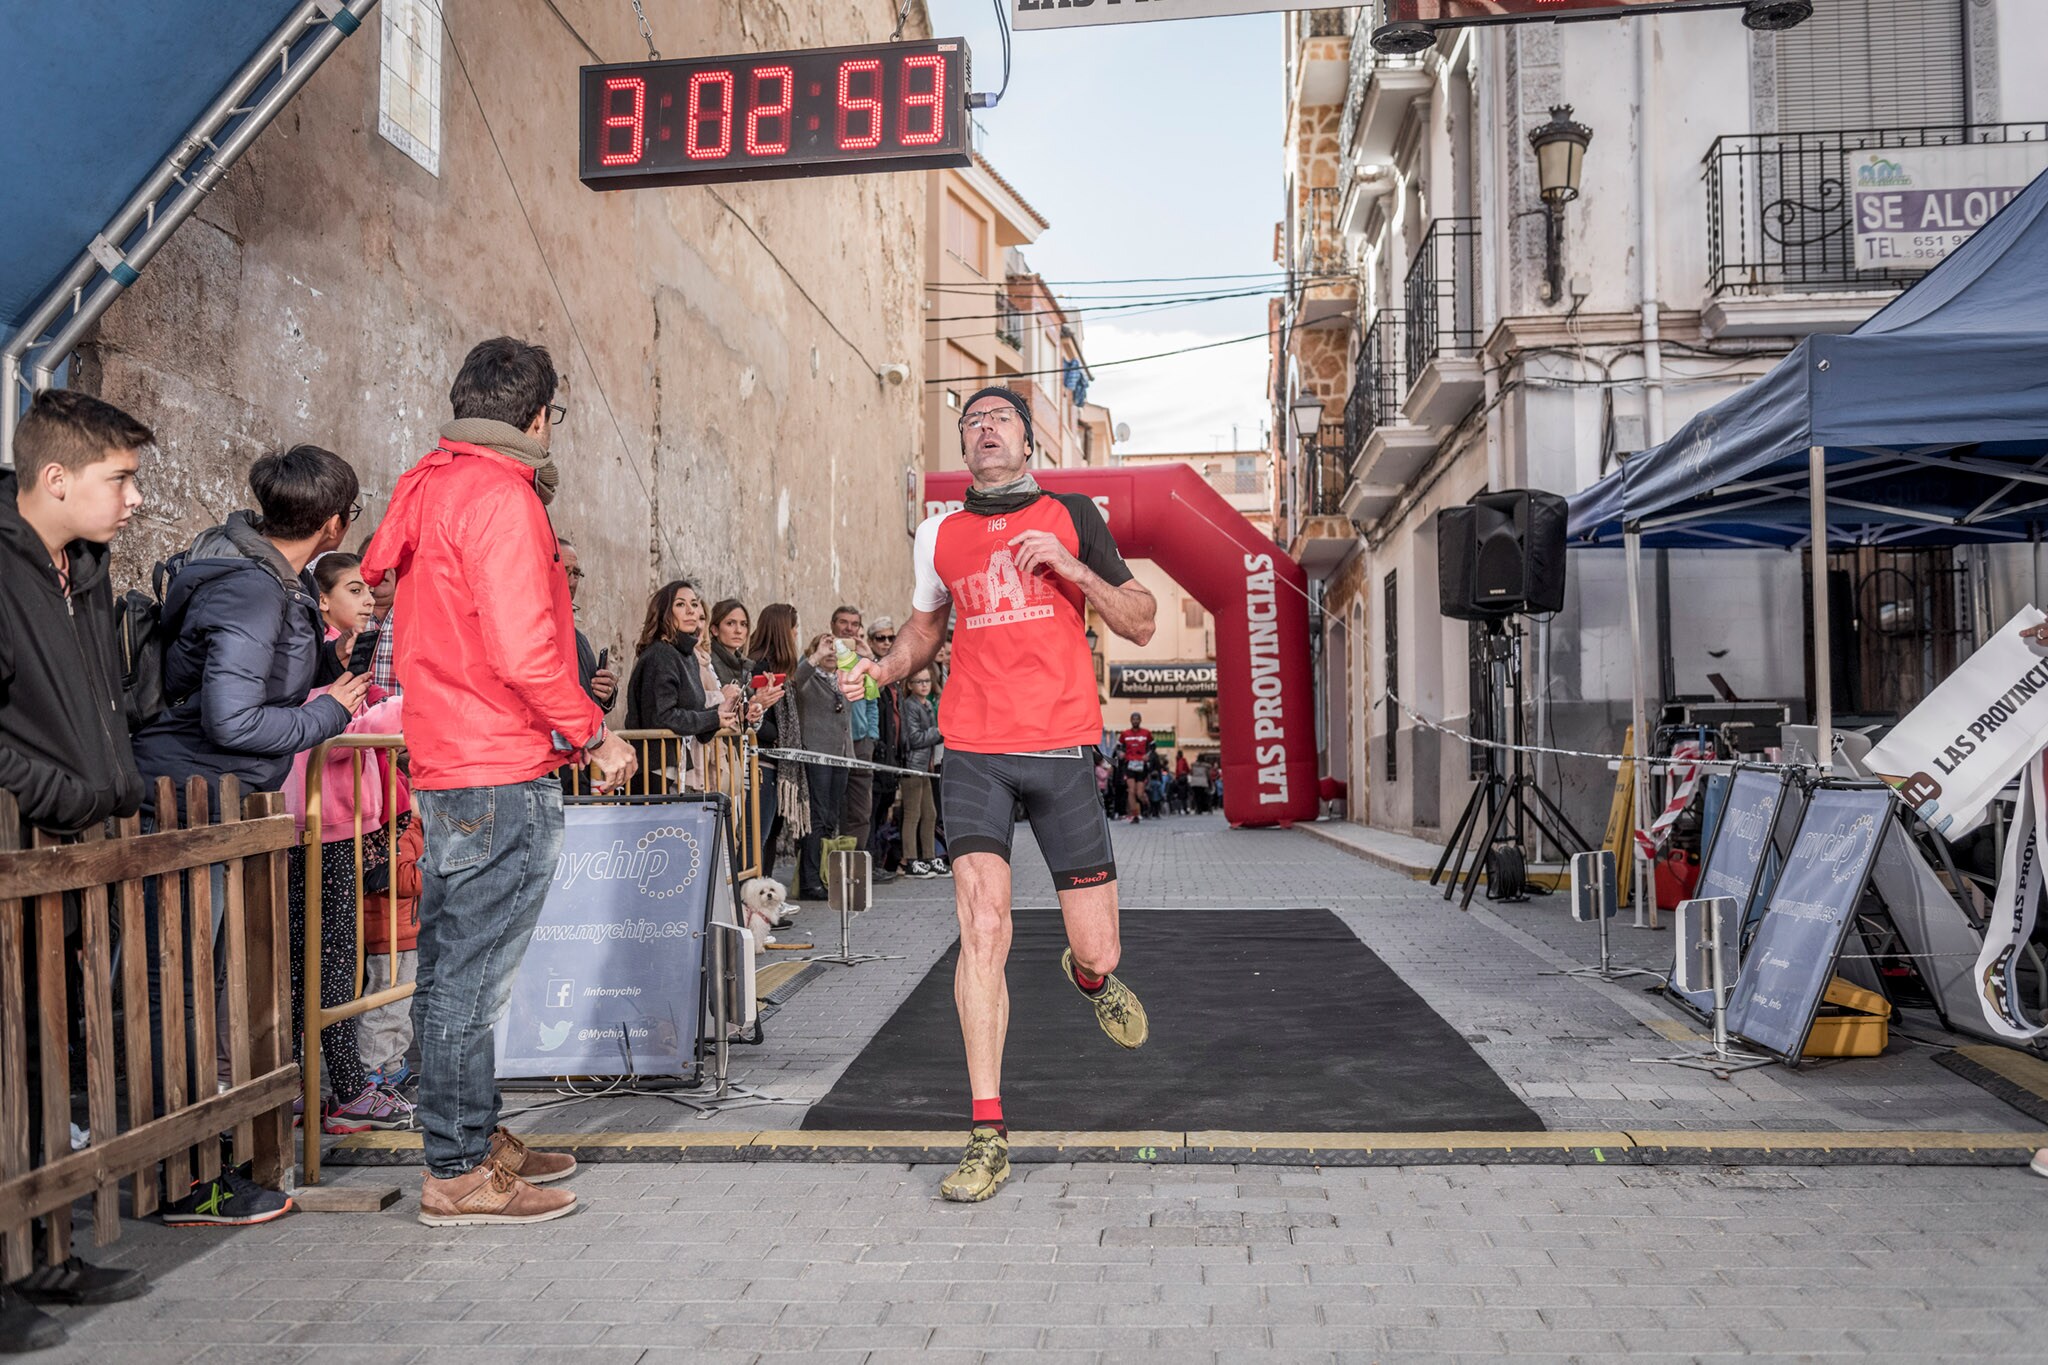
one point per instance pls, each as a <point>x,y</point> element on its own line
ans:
<point>746,1261</point>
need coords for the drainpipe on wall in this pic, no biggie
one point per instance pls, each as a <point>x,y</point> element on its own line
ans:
<point>1653,424</point>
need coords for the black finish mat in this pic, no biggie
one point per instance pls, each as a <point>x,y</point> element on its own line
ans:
<point>1262,1020</point>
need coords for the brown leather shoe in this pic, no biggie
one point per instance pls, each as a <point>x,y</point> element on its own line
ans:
<point>535,1168</point>
<point>488,1193</point>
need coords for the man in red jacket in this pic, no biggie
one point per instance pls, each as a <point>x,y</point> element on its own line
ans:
<point>493,707</point>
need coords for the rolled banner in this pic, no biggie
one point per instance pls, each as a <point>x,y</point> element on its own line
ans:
<point>2013,910</point>
<point>1950,756</point>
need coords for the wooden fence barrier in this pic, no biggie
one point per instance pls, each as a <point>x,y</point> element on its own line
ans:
<point>102,880</point>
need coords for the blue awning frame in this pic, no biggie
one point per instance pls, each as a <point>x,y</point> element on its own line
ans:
<point>113,260</point>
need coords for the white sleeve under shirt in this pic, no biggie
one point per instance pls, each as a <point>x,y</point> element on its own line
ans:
<point>931,593</point>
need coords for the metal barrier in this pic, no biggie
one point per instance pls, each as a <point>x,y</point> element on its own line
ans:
<point>730,765</point>
<point>103,879</point>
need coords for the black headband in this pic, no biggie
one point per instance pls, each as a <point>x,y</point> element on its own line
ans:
<point>1014,399</point>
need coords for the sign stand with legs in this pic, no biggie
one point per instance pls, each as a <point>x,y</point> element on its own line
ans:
<point>723,942</point>
<point>1709,939</point>
<point>1595,896</point>
<point>852,891</point>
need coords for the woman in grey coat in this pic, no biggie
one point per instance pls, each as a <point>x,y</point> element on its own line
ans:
<point>920,800</point>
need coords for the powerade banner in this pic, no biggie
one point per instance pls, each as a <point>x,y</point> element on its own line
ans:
<point>1196,678</point>
<point>1793,954</point>
<point>611,984</point>
<point>1958,747</point>
<point>1738,862</point>
<point>2013,911</point>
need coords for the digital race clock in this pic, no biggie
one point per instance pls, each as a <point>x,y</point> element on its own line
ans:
<point>769,115</point>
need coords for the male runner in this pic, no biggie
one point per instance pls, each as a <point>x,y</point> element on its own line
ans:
<point>1021,722</point>
<point>1134,751</point>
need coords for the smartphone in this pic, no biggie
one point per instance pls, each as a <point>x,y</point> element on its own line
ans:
<point>758,681</point>
<point>365,652</point>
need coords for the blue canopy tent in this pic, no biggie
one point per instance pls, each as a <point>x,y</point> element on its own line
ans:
<point>121,123</point>
<point>1927,425</point>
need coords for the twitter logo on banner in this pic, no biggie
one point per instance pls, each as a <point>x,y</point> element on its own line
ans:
<point>553,1036</point>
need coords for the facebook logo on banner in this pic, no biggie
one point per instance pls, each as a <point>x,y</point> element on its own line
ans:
<point>561,990</point>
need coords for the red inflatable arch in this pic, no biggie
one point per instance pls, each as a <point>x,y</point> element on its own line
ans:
<point>1259,597</point>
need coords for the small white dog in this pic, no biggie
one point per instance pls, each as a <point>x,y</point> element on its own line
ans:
<point>762,902</point>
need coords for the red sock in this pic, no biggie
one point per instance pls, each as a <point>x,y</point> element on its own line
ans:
<point>1090,984</point>
<point>988,1113</point>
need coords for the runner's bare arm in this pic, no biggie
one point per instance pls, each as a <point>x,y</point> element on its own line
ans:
<point>917,644</point>
<point>1129,608</point>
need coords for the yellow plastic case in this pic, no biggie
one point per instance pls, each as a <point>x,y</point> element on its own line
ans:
<point>1852,1022</point>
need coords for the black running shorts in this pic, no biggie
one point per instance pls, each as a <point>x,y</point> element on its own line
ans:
<point>979,795</point>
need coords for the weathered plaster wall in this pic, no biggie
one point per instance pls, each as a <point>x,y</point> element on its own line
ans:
<point>329,289</point>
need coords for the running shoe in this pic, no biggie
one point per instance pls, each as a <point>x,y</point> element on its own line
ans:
<point>941,868</point>
<point>376,1107</point>
<point>1116,1008</point>
<point>981,1171</point>
<point>920,869</point>
<point>393,1080</point>
<point>231,1200</point>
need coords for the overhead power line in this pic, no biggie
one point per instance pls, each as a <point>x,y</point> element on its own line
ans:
<point>1127,360</point>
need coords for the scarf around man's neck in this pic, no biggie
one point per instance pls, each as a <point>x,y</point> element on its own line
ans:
<point>513,444</point>
<point>1019,493</point>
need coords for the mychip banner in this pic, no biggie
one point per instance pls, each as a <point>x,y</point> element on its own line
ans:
<point>612,982</point>
<point>1788,963</point>
<point>1958,747</point>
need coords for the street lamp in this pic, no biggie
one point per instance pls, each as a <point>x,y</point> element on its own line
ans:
<point>1308,414</point>
<point>1560,147</point>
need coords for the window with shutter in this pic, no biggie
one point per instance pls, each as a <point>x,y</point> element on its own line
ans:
<point>1872,64</point>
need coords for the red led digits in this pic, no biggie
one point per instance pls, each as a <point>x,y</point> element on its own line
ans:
<point>871,105</point>
<point>695,116</point>
<point>777,111</point>
<point>633,121</point>
<point>934,100</point>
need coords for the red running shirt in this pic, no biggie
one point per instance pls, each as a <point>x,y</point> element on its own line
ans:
<point>1137,747</point>
<point>1022,680</point>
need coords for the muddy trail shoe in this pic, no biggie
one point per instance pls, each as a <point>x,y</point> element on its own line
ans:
<point>1116,1008</point>
<point>982,1170</point>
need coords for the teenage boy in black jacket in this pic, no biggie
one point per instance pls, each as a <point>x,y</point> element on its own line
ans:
<point>63,738</point>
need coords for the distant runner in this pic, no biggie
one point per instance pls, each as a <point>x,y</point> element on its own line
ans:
<point>1134,752</point>
<point>1021,722</point>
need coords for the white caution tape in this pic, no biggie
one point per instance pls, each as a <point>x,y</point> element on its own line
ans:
<point>835,761</point>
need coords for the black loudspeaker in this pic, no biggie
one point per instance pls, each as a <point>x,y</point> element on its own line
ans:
<point>1500,554</point>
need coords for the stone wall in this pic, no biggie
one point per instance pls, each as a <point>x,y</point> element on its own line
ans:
<point>718,345</point>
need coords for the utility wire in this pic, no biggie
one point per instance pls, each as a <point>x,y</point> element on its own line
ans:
<point>1188,301</point>
<point>1157,279</point>
<point>576,332</point>
<point>1094,365</point>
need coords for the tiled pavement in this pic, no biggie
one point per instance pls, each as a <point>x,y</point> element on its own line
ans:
<point>1567,1045</point>
<point>861,1262</point>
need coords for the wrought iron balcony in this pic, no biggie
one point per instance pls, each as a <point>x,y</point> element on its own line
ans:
<point>1366,63</point>
<point>1379,381</point>
<point>1778,205</point>
<point>1442,294</point>
<point>1323,470</point>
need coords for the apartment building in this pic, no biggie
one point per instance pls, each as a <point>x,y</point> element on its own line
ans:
<point>1446,331</point>
<point>991,319</point>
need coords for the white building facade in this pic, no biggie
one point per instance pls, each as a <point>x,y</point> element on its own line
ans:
<point>1421,358</point>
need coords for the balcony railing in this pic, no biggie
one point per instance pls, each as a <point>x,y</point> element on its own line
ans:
<point>1441,293</point>
<point>1327,23</point>
<point>1365,60</point>
<point>1379,380</point>
<point>1010,325</point>
<point>1778,210</point>
<point>1321,474</point>
<point>1317,251</point>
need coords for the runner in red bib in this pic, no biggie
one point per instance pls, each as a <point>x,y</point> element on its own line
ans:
<point>1017,568</point>
<point>1134,751</point>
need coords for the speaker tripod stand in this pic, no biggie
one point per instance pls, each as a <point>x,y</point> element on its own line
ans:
<point>1501,804</point>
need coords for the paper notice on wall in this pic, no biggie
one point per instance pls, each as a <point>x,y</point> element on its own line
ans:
<point>1972,733</point>
<point>2012,914</point>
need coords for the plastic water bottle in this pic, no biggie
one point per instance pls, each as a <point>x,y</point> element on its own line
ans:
<point>847,658</point>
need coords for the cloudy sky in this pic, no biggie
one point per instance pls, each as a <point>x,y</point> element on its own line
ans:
<point>1154,149</point>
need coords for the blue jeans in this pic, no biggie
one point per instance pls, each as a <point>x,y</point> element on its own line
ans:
<point>490,854</point>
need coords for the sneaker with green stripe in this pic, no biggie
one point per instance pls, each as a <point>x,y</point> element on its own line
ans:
<point>981,1171</point>
<point>1116,1008</point>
